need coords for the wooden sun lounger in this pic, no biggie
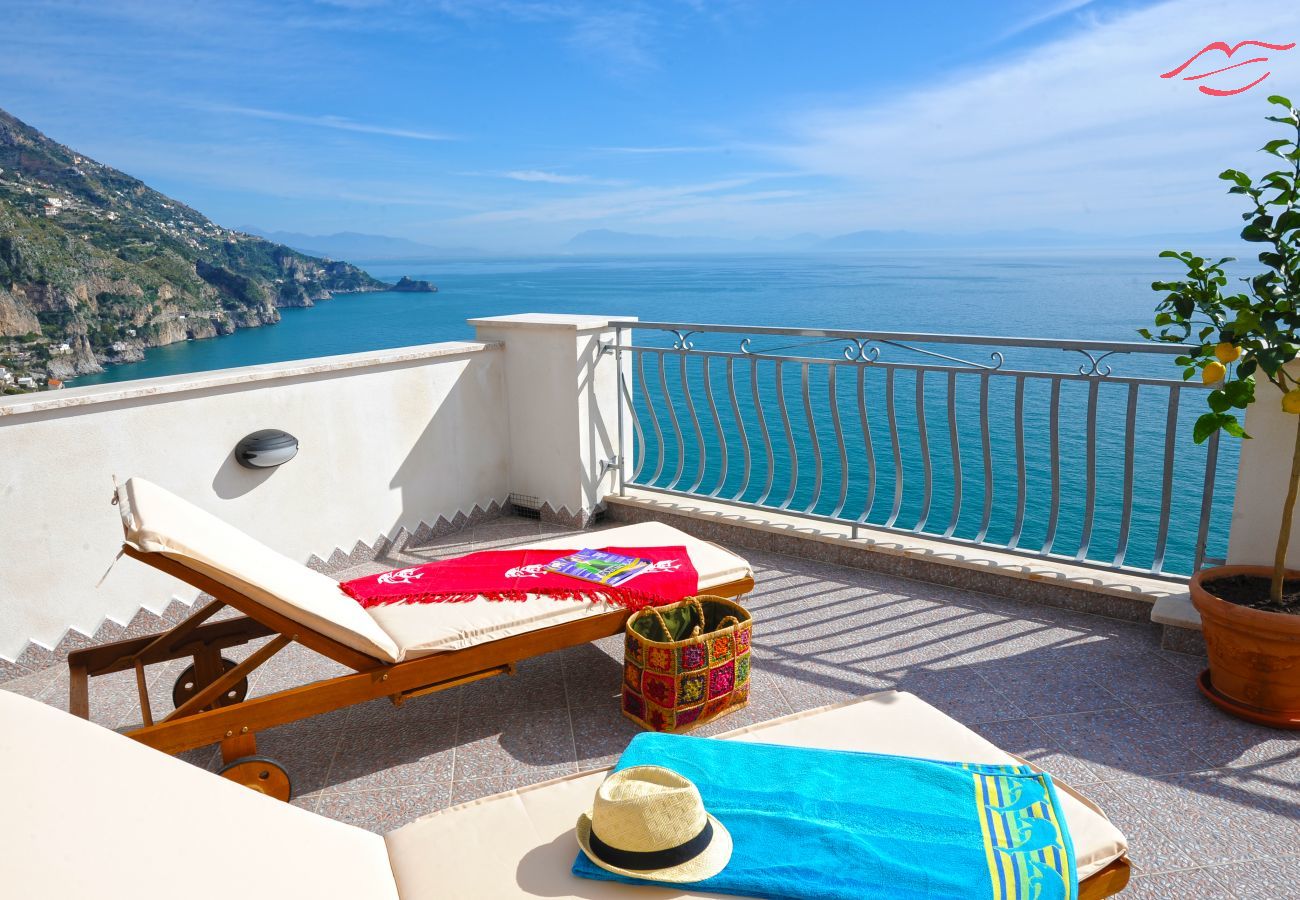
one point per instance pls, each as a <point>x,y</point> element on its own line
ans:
<point>211,704</point>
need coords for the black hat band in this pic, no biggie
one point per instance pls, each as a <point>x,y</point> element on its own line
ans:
<point>641,861</point>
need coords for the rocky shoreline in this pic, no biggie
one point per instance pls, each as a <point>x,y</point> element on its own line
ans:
<point>84,360</point>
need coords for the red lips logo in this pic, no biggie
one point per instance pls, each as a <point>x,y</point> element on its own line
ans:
<point>1227,51</point>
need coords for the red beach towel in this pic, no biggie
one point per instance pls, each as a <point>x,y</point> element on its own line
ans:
<point>519,574</point>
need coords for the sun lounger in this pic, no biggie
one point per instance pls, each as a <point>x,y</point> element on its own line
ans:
<point>398,651</point>
<point>91,814</point>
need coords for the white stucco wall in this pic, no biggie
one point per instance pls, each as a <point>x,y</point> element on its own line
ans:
<point>1262,481</point>
<point>562,394</point>
<point>388,439</point>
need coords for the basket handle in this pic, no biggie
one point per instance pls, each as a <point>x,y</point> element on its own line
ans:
<point>663,626</point>
<point>699,611</point>
<point>732,619</point>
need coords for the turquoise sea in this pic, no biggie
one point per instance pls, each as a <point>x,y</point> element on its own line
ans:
<point>1056,295</point>
<point>1080,296</point>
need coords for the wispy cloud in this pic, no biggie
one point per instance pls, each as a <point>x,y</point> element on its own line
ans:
<point>622,39</point>
<point>336,123</point>
<point>1045,16</point>
<point>546,177</point>
<point>682,149</point>
<point>1079,133</point>
<point>694,201</point>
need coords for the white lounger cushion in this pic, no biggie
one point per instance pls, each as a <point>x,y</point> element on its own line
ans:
<point>521,844</point>
<point>89,813</point>
<point>157,521</point>
<point>423,628</point>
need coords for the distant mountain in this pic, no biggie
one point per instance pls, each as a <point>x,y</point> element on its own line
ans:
<point>96,266</point>
<point>621,242</point>
<point>354,245</point>
<point>1016,240</point>
<point>602,240</point>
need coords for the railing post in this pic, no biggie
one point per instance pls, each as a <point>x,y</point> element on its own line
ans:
<point>618,367</point>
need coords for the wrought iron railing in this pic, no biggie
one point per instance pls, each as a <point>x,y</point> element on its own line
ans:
<point>991,441</point>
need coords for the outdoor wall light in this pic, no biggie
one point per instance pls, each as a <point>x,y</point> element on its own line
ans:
<point>266,449</point>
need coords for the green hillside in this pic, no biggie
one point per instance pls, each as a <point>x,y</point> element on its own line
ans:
<point>95,266</point>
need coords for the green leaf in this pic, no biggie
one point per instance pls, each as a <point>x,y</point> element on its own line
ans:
<point>1240,392</point>
<point>1233,427</point>
<point>1279,100</point>
<point>1287,221</point>
<point>1240,178</point>
<point>1274,146</point>
<point>1218,401</point>
<point>1206,425</point>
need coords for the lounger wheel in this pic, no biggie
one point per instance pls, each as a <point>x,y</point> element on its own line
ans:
<point>187,685</point>
<point>261,773</point>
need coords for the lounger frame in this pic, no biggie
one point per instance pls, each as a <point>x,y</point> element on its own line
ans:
<point>235,726</point>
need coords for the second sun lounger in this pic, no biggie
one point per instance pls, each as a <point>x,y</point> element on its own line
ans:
<point>85,807</point>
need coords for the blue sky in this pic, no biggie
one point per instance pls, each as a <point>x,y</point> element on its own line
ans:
<point>512,125</point>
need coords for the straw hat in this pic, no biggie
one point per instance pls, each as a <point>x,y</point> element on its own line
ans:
<point>649,822</point>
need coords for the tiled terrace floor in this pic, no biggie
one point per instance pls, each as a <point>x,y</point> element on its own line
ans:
<point>1211,805</point>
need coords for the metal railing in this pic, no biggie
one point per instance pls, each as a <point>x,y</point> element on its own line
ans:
<point>969,439</point>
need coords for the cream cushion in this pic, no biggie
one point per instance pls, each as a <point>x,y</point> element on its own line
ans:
<point>89,813</point>
<point>521,843</point>
<point>423,628</point>
<point>157,521</point>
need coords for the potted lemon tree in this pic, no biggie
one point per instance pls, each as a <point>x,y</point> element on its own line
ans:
<point>1250,615</point>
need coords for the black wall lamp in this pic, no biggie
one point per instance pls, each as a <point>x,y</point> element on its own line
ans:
<point>266,449</point>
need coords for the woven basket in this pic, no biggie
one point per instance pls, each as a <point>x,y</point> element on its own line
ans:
<point>686,663</point>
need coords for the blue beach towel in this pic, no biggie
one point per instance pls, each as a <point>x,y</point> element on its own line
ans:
<point>835,825</point>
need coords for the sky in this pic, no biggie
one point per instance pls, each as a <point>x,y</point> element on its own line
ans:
<point>511,125</point>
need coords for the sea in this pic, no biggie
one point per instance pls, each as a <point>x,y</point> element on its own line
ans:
<point>1050,294</point>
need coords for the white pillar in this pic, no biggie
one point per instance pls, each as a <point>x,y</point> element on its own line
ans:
<point>1262,480</point>
<point>562,409</point>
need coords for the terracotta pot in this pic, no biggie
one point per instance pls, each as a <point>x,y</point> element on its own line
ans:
<point>1254,654</point>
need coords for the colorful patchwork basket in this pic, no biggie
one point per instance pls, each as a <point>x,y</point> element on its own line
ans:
<point>686,663</point>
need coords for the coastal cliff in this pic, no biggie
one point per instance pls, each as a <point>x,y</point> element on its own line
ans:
<point>96,267</point>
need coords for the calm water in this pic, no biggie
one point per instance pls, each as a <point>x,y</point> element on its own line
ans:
<point>1084,297</point>
<point>1064,296</point>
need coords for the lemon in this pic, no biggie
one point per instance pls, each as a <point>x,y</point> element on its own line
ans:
<point>1291,401</point>
<point>1213,373</point>
<point>1227,353</point>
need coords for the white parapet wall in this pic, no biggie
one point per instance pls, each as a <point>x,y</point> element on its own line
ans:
<point>389,439</point>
